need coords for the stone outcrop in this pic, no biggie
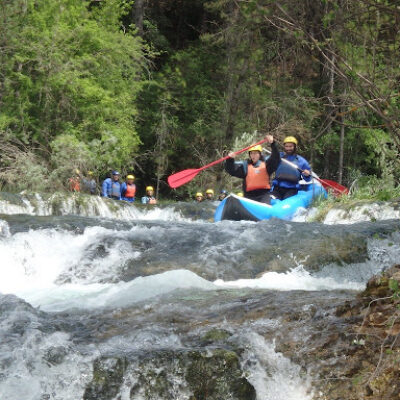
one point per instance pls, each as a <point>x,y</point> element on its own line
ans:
<point>360,358</point>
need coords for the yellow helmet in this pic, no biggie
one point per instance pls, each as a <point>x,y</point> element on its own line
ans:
<point>240,194</point>
<point>77,172</point>
<point>290,139</point>
<point>256,148</point>
<point>149,188</point>
<point>199,194</point>
<point>209,191</point>
<point>130,177</point>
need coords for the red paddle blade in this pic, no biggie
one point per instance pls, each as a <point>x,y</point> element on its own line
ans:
<point>334,187</point>
<point>182,177</point>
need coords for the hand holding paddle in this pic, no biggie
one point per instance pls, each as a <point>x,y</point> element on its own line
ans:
<point>336,188</point>
<point>185,176</point>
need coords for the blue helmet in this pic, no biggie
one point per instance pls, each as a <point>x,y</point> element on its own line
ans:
<point>115,173</point>
<point>223,191</point>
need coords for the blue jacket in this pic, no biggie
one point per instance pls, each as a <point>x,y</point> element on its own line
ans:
<point>288,177</point>
<point>146,199</point>
<point>111,188</point>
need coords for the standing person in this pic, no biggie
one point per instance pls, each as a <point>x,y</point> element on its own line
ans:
<point>128,189</point>
<point>111,187</point>
<point>149,198</point>
<point>286,182</point>
<point>255,171</point>
<point>89,184</point>
<point>209,194</point>
<point>74,183</point>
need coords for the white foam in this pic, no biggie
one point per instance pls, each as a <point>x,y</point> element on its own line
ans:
<point>122,294</point>
<point>362,213</point>
<point>88,206</point>
<point>295,279</point>
<point>273,376</point>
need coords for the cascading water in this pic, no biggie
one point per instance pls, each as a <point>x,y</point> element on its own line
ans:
<point>105,300</point>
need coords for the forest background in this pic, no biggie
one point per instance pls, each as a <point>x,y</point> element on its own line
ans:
<point>152,87</point>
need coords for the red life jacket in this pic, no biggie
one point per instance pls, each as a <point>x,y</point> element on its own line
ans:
<point>74,184</point>
<point>130,191</point>
<point>257,177</point>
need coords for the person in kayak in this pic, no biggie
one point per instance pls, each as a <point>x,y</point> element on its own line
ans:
<point>255,171</point>
<point>128,189</point>
<point>149,198</point>
<point>286,182</point>
<point>111,187</point>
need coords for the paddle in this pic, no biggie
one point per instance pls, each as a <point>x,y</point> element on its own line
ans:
<point>185,176</point>
<point>329,185</point>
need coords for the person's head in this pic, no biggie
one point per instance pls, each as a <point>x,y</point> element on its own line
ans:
<point>90,174</point>
<point>149,191</point>
<point>255,153</point>
<point>130,179</point>
<point>209,194</point>
<point>290,145</point>
<point>115,175</point>
<point>77,173</point>
<point>222,194</point>
<point>199,197</point>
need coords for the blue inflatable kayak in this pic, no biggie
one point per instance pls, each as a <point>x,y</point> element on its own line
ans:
<point>237,208</point>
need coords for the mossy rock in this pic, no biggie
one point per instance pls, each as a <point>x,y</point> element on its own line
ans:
<point>215,335</point>
<point>108,374</point>
<point>218,376</point>
<point>195,375</point>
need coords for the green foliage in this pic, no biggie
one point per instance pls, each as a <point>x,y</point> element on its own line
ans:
<point>80,88</point>
<point>69,154</point>
<point>74,73</point>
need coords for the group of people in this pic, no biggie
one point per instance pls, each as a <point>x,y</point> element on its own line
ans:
<point>114,189</point>
<point>199,197</point>
<point>288,166</point>
<point>111,187</point>
<point>255,172</point>
<point>85,184</point>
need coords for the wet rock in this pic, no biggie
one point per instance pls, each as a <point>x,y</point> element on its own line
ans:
<point>195,375</point>
<point>108,374</point>
<point>363,360</point>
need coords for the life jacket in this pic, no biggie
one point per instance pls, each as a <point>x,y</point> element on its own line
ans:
<point>115,189</point>
<point>74,184</point>
<point>257,177</point>
<point>130,191</point>
<point>286,172</point>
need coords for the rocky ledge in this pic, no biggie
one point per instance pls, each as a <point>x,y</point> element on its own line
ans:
<point>360,358</point>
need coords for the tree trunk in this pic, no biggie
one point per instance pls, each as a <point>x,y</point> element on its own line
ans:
<point>341,150</point>
<point>138,16</point>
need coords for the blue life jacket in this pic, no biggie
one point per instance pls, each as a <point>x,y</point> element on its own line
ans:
<point>286,172</point>
<point>115,189</point>
<point>288,177</point>
<point>111,188</point>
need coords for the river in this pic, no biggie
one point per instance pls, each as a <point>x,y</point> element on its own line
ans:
<point>101,300</point>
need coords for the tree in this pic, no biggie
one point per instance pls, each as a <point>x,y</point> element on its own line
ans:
<point>72,72</point>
